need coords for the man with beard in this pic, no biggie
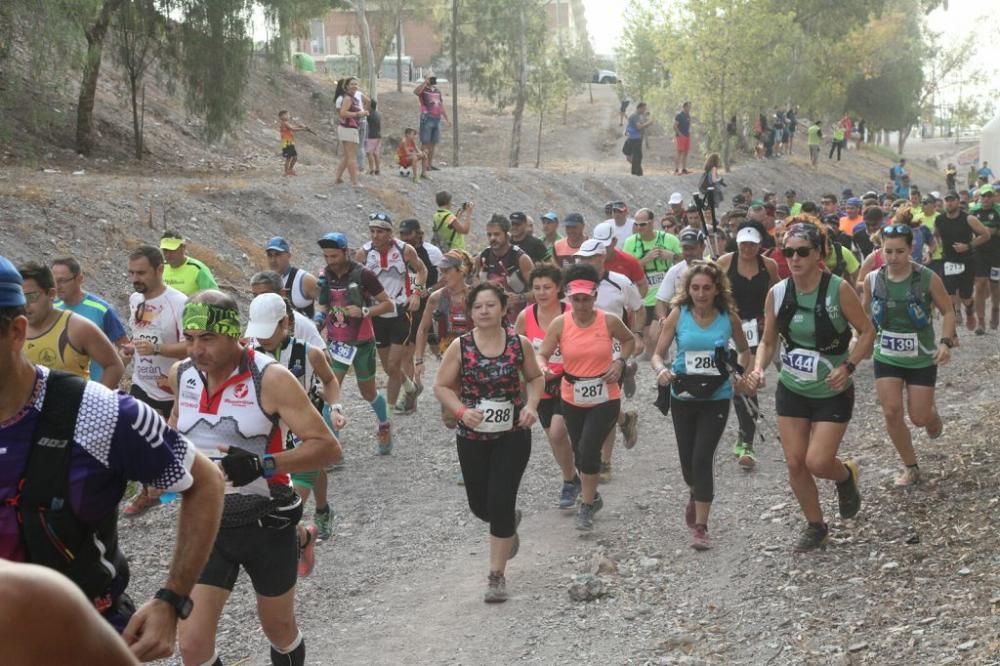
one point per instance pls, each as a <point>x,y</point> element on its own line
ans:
<point>506,264</point>
<point>300,286</point>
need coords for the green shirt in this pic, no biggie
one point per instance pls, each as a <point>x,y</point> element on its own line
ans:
<point>928,221</point>
<point>815,131</point>
<point>451,239</point>
<point>851,263</point>
<point>192,276</point>
<point>550,248</point>
<point>795,209</point>
<point>804,371</point>
<point>657,268</point>
<point>897,341</point>
<point>839,133</point>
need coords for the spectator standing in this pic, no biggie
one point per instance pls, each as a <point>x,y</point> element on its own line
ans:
<point>815,139</point>
<point>431,114</point>
<point>373,141</point>
<point>792,119</point>
<point>634,131</point>
<point>682,138</point>
<point>985,172</point>
<point>950,177</point>
<point>349,113</point>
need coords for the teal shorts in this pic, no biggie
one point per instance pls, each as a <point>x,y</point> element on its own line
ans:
<point>305,479</point>
<point>363,363</point>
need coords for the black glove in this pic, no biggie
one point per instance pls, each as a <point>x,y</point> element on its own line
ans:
<point>241,466</point>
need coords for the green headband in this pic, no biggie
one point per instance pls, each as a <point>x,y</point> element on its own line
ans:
<point>212,319</point>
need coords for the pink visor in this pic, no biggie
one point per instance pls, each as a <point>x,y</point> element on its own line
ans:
<point>581,287</point>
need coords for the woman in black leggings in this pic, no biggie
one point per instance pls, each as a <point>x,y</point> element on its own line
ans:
<point>702,321</point>
<point>479,381</point>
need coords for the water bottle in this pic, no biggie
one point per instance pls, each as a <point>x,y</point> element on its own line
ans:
<point>167,498</point>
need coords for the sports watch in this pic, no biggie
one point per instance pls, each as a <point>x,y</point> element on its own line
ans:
<point>948,342</point>
<point>268,466</point>
<point>181,605</point>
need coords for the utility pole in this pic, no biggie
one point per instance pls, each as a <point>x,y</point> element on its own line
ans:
<point>454,82</point>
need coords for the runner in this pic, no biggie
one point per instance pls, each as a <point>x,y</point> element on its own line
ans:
<point>589,390</point>
<point>987,211</point>
<point>185,274</point>
<point>300,286</point>
<point>411,233</point>
<point>69,288</point>
<point>617,295</point>
<point>303,328</point>
<point>957,233</point>
<point>656,250</point>
<point>393,261</point>
<point>230,401</point>
<point>479,382</point>
<point>565,248</point>
<point>815,395</point>
<point>692,249</point>
<point>550,234</point>
<point>702,320</point>
<point>521,228</point>
<point>155,311</point>
<point>622,226</point>
<point>506,265</point>
<point>112,438</point>
<point>61,340</point>
<point>534,320</point>
<point>900,298</point>
<point>268,332</point>
<point>350,295</point>
<point>445,313</point>
<point>750,276</point>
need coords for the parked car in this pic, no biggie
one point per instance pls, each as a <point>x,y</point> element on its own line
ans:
<point>605,76</point>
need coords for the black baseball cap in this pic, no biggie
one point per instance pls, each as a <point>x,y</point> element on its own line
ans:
<point>409,225</point>
<point>950,194</point>
<point>573,218</point>
<point>518,217</point>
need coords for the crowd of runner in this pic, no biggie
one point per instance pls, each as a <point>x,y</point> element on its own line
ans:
<point>555,328</point>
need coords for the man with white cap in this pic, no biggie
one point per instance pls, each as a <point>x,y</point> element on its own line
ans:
<point>618,261</point>
<point>676,202</point>
<point>269,332</point>
<point>300,286</point>
<point>616,295</point>
<point>621,224</point>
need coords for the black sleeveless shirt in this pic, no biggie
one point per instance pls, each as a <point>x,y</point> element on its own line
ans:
<point>751,293</point>
<point>954,230</point>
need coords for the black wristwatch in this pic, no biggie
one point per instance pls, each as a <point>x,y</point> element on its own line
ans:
<point>850,367</point>
<point>181,605</point>
<point>947,342</point>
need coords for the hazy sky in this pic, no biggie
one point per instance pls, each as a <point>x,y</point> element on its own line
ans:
<point>604,22</point>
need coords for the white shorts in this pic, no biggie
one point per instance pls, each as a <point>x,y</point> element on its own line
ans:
<point>347,134</point>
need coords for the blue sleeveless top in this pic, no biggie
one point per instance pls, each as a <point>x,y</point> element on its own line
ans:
<point>696,349</point>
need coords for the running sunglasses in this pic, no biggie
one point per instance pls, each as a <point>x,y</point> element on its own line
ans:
<point>897,230</point>
<point>789,252</point>
<point>381,217</point>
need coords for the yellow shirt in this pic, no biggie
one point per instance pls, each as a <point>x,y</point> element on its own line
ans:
<point>928,221</point>
<point>53,349</point>
<point>192,276</point>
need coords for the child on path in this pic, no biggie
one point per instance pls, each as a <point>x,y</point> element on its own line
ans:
<point>288,142</point>
<point>411,158</point>
<point>373,144</point>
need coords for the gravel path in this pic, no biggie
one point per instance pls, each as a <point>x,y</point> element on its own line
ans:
<point>913,579</point>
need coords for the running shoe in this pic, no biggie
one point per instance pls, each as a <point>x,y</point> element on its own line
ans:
<point>970,318</point>
<point>410,401</point>
<point>910,476</point>
<point>739,448</point>
<point>401,406</point>
<point>995,319</point>
<point>847,491</point>
<point>567,498</point>
<point>605,473</point>
<point>141,503</point>
<point>515,545</point>
<point>747,459</point>
<point>815,535</point>
<point>385,438</point>
<point>585,517</point>
<point>324,523</point>
<point>630,428</point>
<point>699,537</point>
<point>689,513</point>
<point>935,427</point>
<point>496,589</point>
<point>628,380</point>
<point>307,552</point>
<point>598,503</point>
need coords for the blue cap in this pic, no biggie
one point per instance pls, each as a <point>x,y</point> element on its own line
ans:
<point>278,244</point>
<point>11,294</point>
<point>550,216</point>
<point>854,201</point>
<point>334,239</point>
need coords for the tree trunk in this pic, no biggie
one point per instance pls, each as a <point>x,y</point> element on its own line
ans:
<point>95,34</point>
<point>522,84</point>
<point>538,151</point>
<point>136,130</point>
<point>454,82</point>
<point>367,50</point>
<point>565,108</point>
<point>399,53</point>
<point>904,134</point>
<point>590,89</point>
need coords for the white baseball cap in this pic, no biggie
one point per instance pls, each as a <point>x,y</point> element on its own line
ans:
<point>604,233</point>
<point>748,235</point>
<point>592,247</point>
<point>266,311</point>
<point>676,198</point>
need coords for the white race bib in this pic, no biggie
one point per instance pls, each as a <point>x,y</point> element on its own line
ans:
<point>750,332</point>
<point>654,279</point>
<point>995,273</point>
<point>953,268</point>
<point>616,350</point>
<point>343,352</point>
<point>700,363</point>
<point>556,355</point>
<point>802,364</point>
<point>498,416</point>
<point>899,345</point>
<point>590,392</point>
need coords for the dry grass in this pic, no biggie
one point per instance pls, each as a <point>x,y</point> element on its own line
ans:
<point>26,193</point>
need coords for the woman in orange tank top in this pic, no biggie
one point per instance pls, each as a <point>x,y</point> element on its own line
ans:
<point>590,393</point>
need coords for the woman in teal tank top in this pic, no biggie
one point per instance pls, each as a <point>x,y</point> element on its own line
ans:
<point>813,312</point>
<point>702,321</point>
<point>899,297</point>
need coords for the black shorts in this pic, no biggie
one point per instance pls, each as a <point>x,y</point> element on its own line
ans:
<point>415,317</point>
<point>650,316</point>
<point>835,409</point>
<point>164,407</point>
<point>269,556</point>
<point>547,408</point>
<point>986,262</point>
<point>289,151</point>
<point>911,376</point>
<point>962,283</point>
<point>392,331</point>
<point>624,105</point>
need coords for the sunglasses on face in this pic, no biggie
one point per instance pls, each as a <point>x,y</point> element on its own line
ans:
<point>32,296</point>
<point>789,252</point>
<point>896,230</point>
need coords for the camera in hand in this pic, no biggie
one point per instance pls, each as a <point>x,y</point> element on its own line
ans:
<point>432,81</point>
